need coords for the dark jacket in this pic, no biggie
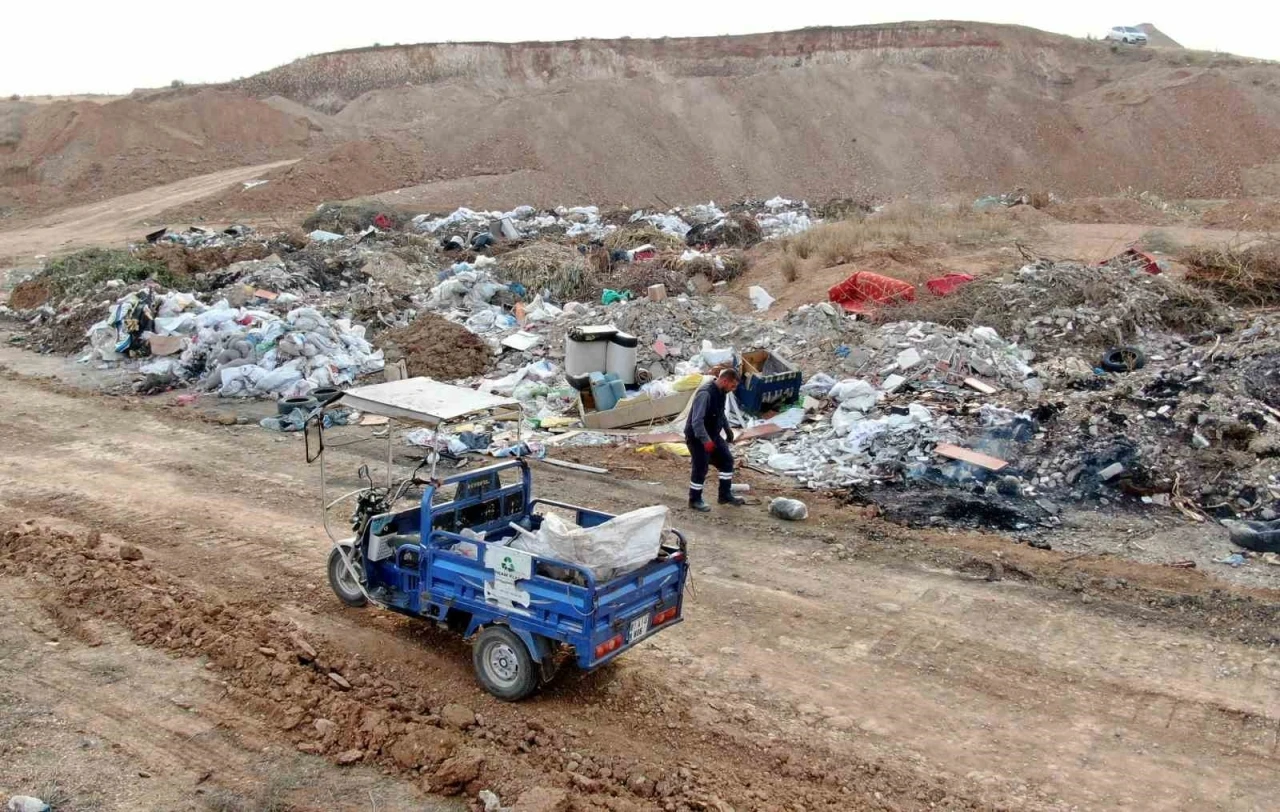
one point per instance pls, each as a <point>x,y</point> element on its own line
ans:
<point>706,418</point>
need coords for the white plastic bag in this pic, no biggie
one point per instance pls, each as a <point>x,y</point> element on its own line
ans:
<point>620,544</point>
<point>760,298</point>
<point>818,386</point>
<point>856,394</point>
<point>712,356</point>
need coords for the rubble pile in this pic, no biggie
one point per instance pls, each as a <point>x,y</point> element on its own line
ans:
<point>1046,306</point>
<point>896,353</point>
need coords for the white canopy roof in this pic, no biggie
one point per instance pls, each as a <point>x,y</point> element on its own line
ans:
<point>422,399</point>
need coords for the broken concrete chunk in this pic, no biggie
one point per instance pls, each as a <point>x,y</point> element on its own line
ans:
<point>908,358</point>
<point>892,384</point>
<point>1112,471</point>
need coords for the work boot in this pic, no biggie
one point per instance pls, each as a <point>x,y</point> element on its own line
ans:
<point>726,494</point>
<point>695,501</point>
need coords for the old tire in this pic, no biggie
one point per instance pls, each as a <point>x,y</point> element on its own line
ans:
<point>326,395</point>
<point>1123,359</point>
<point>503,664</point>
<point>347,590</point>
<point>286,406</point>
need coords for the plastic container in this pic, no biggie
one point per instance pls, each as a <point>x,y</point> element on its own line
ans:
<point>603,391</point>
<point>768,382</point>
<point>620,357</point>
<point>586,349</point>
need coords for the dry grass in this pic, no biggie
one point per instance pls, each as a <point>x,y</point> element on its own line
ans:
<point>1247,277</point>
<point>547,265</point>
<point>904,224</point>
<point>1005,303</point>
<point>790,266</point>
<point>637,234</point>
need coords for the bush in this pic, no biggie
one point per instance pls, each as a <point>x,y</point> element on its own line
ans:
<point>86,270</point>
<point>15,97</point>
<point>177,83</point>
<point>904,224</point>
<point>1248,277</point>
<point>790,267</point>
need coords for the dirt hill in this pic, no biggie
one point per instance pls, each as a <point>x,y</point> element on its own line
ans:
<point>75,152</point>
<point>875,112</point>
<point>1157,37</point>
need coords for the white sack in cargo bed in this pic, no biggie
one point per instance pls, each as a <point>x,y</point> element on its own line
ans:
<point>623,543</point>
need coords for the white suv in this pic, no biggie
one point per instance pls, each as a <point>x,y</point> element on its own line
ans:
<point>1128,35</point>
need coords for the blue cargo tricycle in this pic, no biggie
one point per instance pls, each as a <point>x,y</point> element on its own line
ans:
<point>447,555</point>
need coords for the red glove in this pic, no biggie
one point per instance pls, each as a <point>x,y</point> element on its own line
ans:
<point>709,445</point>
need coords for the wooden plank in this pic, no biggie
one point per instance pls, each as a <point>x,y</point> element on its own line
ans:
<point>589,469</point>
<point>981,386</point>
<point>955,452</point>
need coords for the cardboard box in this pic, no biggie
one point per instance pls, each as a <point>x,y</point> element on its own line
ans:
<point>637,412</point>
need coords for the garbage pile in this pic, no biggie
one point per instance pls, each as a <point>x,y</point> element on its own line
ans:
<point>237,351</point>
<point>896,353</point>
<point>1047,306</point>
<point>197,237</point>
<point>709,224</point>
<point>519,223</point>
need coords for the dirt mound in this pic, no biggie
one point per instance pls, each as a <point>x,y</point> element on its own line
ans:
<point>1246,215</point>
<point>350,169</point>
<point>1157,37</point>
<point>29,294</point>
<point>437,348</point>
<point>72,151</point>
<point>1107,210</point>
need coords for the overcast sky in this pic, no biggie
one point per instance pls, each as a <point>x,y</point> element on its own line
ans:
<point>90,46</point>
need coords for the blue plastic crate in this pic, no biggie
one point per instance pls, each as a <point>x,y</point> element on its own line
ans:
<point>768,382</point>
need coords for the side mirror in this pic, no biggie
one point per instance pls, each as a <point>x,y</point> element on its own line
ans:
<point>313,433</point>
<point>363,473</point>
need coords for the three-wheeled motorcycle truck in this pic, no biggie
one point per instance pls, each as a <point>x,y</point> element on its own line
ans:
<point>446,556</point>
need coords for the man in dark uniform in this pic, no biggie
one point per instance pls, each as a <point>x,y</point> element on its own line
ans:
<point>703,435</point>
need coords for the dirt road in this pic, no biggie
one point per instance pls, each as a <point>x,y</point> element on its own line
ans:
<point>841,664</point>
<point>111,222</point>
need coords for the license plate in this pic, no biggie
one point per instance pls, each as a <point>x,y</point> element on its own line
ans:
<point>639,628</point>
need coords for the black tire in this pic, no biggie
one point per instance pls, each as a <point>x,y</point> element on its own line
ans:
<point>287,405</point>
<point>326,395</point>
<point>340,580</point>
<point>503,664</point>
<point>1123,359</point>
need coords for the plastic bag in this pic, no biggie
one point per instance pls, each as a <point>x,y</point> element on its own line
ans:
<point>714,357</point>
<point>785,463</point>
<point>853,393</point>
<point>818,386</point>
<point>760,298</point>
<point>793,510</point>
<point>620,544</point>
<point>240,381</point>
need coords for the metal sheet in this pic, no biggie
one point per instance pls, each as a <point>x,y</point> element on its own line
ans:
<point>422,400</point>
